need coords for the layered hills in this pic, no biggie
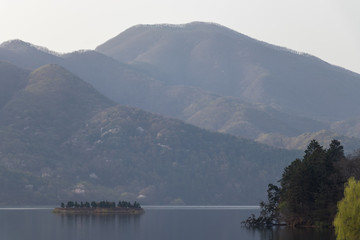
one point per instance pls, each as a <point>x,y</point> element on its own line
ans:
<point>61,139</point>
<point>63,134</point>
<point>143,83</point>
<point>297,91</point>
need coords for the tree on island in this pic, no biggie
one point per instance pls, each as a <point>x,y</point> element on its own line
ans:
<point>101,204</point>
<point>70,204</point>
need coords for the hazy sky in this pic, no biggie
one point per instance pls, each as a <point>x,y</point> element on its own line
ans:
<point>329,29</point>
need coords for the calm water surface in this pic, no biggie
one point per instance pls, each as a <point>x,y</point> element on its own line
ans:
<point>158,223</point>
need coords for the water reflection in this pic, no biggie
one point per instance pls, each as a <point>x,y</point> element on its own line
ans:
<point>105,219</point>
<point>286,233</point>
<point>177,224</point>
<point>101,226</point>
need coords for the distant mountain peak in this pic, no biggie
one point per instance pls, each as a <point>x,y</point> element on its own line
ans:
<point>50,67</point>
<point>20,45</point>
<point>191,26</point>
<point>177,26</point>
<point>54,77</point>
<point>15,44</point>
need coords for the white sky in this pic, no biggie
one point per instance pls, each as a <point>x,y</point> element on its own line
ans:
<point>329,29</point>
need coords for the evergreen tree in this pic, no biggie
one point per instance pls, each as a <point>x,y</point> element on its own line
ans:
<point>70,204</point>
<point>309,192</point>
<point>310,188</point>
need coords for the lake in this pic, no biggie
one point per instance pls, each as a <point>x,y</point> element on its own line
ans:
<point>158,223</point>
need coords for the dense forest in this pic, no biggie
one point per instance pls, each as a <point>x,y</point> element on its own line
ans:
<point>310,188</point>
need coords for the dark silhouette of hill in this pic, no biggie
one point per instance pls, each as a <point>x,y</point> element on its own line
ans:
<point>61,139</point>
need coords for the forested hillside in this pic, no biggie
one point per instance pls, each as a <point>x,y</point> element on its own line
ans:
<point>61,139</point>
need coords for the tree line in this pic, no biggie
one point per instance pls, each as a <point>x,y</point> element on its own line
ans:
<point>101,204</point>
<point>310,188</point>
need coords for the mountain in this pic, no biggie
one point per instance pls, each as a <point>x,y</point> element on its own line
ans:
<point>64,136</point>
<point>128,85</point>
<point>230,115</point>
<point>49,86</point>
<point>11,79</point>
<point>348,127</point>
<point>227,63</point>
<point>214,78</point>
<point>27,55</point>
<point>43,114</point>
<point>61,139</point>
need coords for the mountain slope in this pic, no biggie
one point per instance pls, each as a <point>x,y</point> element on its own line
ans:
<point>228,63</point>
<point>49,86</point>
<point>26,55</point>
<point>61,139</point>
<point>126,85</point>
<point>164,159</point>
<point>324,137</point>
<point>349,127</point>
<point>196,88</point>
<point>43,114</point>
<point>12,79</point>
<point>229,115</point>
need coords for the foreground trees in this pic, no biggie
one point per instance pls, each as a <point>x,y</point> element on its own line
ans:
<point>310,188</point>
<point>269,214</point>
<point>347,220</point>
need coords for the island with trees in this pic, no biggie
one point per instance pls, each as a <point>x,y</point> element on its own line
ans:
<point>102,207</point>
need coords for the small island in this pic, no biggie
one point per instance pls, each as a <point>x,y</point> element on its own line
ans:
<point>102,207</point>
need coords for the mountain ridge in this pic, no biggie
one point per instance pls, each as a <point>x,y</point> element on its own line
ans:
<point>169,51</point>
<point>141,85</point>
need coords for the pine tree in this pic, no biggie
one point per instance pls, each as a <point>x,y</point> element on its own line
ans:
<point>309,192</point>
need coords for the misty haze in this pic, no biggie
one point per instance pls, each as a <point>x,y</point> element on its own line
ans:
<point>167,115</point>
